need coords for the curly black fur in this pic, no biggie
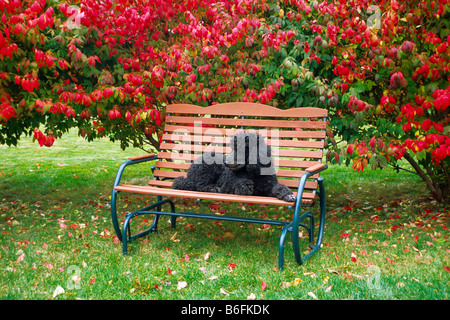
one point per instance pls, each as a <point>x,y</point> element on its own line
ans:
<point>247,170</point>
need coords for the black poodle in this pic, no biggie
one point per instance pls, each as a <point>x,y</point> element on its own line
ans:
<point>247,170</point>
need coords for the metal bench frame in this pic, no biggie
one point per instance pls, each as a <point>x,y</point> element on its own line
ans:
<point>164,195</point>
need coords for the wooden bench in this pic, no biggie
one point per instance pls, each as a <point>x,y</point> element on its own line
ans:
<point>296,137</point>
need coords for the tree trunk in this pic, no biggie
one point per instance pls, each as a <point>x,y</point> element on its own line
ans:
<point>439,191</point>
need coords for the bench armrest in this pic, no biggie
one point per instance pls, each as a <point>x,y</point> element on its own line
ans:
<point>131,161</point>
<point>308,172</point>
<point>144,156</point>
<point>316,168</point>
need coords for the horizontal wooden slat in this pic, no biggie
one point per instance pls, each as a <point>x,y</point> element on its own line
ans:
<point>220,149</point>
<point>161,183</point>
<point>290,173</point>
<point>307,197</point>
<point>225,140</point>
<point>298,153</point>
<point>194,148</point>
<point>248,123</point>
<point>189,157</point>
<point>169,174</point>
<point>172,165</point>
<point>280,163</point>
<point>294,163</point>
<point>280,173</point>
<point>310,185</point>
<point>273,132</point>
<point>247,109</point>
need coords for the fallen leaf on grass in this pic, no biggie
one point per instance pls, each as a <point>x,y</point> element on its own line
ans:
<point>263,285</point>
<point>332,271</point>
<point>251,297</point>
<point>390,261</point>
<point>312,274</point>
<point>223,291</point>
<point>228,235</point>
<point>296,282</point>
<point>181,285</point>
<point>206,257</point>
<point>76,279</point>
<point>174,236</point>
<point>312,295</point>
<point>59,290</point>
<point>20,258</point>
<point>328,289</point>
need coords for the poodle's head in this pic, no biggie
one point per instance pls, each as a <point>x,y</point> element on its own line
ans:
<point>249,152</point>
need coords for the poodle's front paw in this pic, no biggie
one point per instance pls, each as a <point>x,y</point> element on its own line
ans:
<point>289,197</point>
<point>245,188</point>
<point>214,189</point>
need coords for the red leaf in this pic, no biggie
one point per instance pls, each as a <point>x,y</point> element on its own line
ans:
<point>350,148</point>
<point>447,268</point>
<point>390,261</point>
<point>263,285</point>
<point>20,258</point>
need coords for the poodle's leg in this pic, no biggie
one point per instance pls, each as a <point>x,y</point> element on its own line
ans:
<point>182,183</point>
<point>282,192</point>
<point>244,187</point>
<point>209,188</point>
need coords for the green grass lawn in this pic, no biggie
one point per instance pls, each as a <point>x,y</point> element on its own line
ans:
<point>384,239</point>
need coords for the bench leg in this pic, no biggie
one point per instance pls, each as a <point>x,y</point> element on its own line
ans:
<point>125,233</point>
<point>281,247</point>
<point>114,218</point>
<point>318,243</point>
<point>323,212</point>
<point>311,229</point>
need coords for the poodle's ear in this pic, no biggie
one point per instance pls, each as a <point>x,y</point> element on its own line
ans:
<point>262,152</point>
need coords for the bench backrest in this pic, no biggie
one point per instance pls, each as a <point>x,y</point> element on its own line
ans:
<point>296,137</point>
